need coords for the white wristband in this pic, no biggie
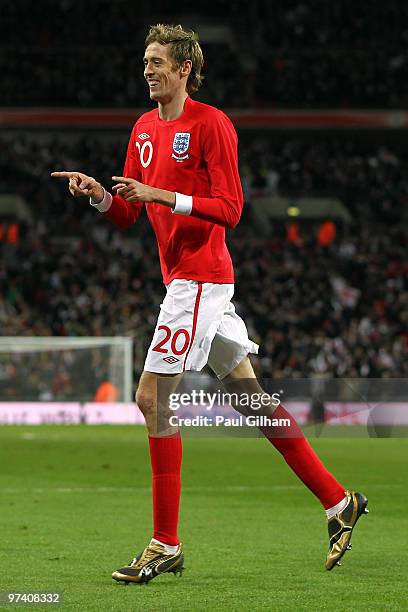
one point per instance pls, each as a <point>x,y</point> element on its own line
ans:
<point>104,204</point>
<point>184,204</point>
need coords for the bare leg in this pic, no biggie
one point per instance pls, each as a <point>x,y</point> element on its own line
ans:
<point>152,398</point>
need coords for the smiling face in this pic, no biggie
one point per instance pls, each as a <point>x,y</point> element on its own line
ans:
<point>165,79</point>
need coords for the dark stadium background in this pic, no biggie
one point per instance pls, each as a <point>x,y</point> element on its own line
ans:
<point>318,92</point>
<point>303,83</point>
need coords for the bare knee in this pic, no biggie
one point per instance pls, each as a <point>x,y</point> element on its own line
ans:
<point>147,403</point>
<point>152,400</point>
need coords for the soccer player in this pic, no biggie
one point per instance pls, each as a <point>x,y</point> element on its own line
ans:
<point>182,166</point>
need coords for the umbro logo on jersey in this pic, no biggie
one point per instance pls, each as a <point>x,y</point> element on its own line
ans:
<point>143,136</point>
<point>171,359</point>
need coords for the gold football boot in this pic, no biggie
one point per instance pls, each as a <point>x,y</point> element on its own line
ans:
<point>154,560</point>
<point>341,527</point>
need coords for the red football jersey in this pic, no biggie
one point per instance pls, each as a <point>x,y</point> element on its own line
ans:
<point>195,155</point>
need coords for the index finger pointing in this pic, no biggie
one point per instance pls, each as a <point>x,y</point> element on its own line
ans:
<point>122,179</point>
<point>63,174</point>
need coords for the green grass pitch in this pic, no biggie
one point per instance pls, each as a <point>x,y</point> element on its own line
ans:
<point>75,505</point>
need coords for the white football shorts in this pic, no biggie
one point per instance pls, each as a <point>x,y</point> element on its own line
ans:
<point>197,325</point>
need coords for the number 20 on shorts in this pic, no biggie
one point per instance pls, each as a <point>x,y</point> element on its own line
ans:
<point>175,343</point>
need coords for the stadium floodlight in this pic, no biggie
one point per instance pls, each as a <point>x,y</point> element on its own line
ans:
<point>65,368</point>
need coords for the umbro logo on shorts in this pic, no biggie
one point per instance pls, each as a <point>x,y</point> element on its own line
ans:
<point>171,359</point>
<point>143,136</point>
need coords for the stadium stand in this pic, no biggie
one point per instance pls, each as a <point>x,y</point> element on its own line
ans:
<point>327,307</point>
<point>285,54</point>
<point>323,295</point>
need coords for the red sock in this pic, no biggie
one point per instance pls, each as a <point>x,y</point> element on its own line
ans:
<point>165,456</point>
<point>300,456</point>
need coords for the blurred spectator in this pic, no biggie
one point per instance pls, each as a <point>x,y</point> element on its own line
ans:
<point>106,392</point>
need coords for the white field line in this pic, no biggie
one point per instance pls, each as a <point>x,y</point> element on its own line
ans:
<point>220,488</point>
<point>7,490</point>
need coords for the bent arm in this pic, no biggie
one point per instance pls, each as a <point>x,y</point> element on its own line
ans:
<point>121,213</point>
<point>224,206</point>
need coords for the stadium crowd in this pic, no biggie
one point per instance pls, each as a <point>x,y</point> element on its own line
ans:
<point>339,309</point>
<point>288,53</point>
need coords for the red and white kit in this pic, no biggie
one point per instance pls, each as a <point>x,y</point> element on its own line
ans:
<point>194,156</point>
<point>198,325</point>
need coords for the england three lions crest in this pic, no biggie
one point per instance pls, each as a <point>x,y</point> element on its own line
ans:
<point>181,143</point>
